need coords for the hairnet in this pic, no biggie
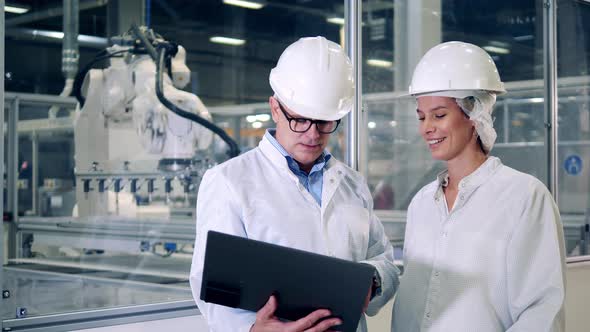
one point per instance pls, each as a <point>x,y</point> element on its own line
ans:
<point>478,105</point>
<point>479,108</point>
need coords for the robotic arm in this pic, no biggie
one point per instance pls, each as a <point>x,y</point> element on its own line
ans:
<point>160,130</point>
<point>137,87</point>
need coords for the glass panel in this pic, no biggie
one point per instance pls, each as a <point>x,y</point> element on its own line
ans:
<point>101,218</point>
<point>573,63</point>
<point>398,33</point>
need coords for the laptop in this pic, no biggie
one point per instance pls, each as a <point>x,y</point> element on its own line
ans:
<point>244,273</point>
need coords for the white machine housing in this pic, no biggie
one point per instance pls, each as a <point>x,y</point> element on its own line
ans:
<point>123,131</point>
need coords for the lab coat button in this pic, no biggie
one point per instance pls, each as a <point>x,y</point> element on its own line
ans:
<point>331,180</point>
<point>436,274</point>
<point>462,197</point>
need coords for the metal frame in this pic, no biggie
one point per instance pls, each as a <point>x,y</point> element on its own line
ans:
<point>578,259</point>
<point>550,79</point>
<point>353,37</point>
<point>102,317</point>
<point>12,172</point>
<point>120,228</point>
<point>353,10</point>
<point>2,244</point>
<point>16,100</point>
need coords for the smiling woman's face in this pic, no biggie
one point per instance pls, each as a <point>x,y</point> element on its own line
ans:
<point>444,127</point>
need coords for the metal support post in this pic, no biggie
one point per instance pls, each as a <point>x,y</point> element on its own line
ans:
<point>2,244</point>
<point>550,77</point>
<point>12,173</point>
<point>353,42</point>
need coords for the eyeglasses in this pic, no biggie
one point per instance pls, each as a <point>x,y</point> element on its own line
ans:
<point>301,125</point>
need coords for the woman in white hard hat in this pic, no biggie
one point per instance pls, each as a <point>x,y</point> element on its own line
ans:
<point>484,247</point>
<point>290,191</point>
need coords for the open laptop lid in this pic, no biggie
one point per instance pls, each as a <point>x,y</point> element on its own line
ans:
<point>244,273</point>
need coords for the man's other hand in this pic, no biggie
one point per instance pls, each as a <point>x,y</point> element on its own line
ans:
<point>266,321</point>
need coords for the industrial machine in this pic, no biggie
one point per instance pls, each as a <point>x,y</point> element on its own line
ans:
<point>141,142</point>
<point>141,146</point>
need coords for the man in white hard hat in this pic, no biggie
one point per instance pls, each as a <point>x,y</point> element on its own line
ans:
<point>290,191</point>
<point>484,247</point>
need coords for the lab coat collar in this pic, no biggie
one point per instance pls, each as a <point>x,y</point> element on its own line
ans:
<point>279,156</point>
<point>476,178</point>
<point>470,183</point>
<point>333,170</point>
<point>274,155</point>
<point>291,162</point>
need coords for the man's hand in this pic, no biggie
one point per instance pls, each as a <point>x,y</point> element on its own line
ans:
<point>266,321</point>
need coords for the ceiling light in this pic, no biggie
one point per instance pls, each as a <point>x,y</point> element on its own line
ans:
<point>60,35</point>
<point>499,43</point>
<point>371,125</point>
<point>496,49</point>
<point>262,117</point>
<point>244,4</point>
<point>523,38</point>
<point>92,39</point>
<point>15,9</point>
<point>49,34</point>
<point>335,20</point>
<point>227,41</point>
<point>536,100</point>
<point>379,63</point>
<point>251,118</point>
<point>257,125</point>
<point>393,123</point>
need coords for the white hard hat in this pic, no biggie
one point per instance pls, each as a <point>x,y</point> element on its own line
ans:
<point>313,77</point>
<point>455,66</point>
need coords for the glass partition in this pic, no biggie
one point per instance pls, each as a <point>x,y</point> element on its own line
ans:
<point>394,39</point>
<point>573,71</point>
<point>100,219</point>
<point>104,218</point>
<point>395,36</point>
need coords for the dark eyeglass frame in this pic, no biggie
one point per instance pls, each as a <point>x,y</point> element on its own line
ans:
<point>310,121</point>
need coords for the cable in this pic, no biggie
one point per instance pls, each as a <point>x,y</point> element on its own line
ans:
<point>158,57</point>
<point>234,150</point>
<point>77,88</point>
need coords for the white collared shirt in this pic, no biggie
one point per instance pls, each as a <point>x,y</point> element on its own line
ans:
<point>496,262</point>
<point>256,195</point>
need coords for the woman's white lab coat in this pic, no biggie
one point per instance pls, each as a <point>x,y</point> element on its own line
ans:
<point>255,195</point>
<point>495,263</point>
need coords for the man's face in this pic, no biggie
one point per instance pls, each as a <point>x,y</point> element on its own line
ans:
<point>304,147</point>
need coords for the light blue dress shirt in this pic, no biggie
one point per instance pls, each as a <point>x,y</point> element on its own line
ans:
<point>312,181</point>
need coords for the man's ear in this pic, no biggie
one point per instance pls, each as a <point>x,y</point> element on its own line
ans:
<point>274,106</point>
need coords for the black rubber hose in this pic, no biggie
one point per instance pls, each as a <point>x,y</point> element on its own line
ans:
<point>159,58</point>
<point>234,150</point>
<point>146,43</point>
<point>79,79</point>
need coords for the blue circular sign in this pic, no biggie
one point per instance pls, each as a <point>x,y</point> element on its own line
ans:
<point>573,165</point>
